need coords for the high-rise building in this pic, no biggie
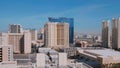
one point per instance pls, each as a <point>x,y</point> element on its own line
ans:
<point>33,34</point>
<point>27,42</point>
<point>17,40</point>
<point>15,28</point>
<point>57,35</point>
<point>116,33</point>
<point>40,41</point>
<point>3,39</point>
<point>70,21</point>
<point>6,53</point>
<point>106,34</point>
<point>21,42</point>
<point>41,34</point>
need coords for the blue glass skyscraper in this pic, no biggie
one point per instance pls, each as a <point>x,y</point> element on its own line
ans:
<point>65,20</point>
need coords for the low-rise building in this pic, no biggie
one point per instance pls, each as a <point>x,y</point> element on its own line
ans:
<point>8,64</point>
<point>108,58</point>
<point>72,51</point>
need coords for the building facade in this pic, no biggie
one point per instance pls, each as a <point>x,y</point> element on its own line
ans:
<point>3,39</point>
<point>41,34</point>
<point>27,42</point>
<point>21,42</point>
<point>116,33</point>
<point>70,21</point>
<point>50,58</point>
<point>33,34</point>
<point>106,34</point>
<point>17,40</point>
<point>57,35</point>
<point>6,53</point>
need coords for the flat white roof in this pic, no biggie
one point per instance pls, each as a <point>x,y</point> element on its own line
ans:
<point>100,52</point>
<point>105,52</point>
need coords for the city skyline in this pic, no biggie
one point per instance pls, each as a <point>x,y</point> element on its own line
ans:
<point>34,14</point>
<point>59,34</point>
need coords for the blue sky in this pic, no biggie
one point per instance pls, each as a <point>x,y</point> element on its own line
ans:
<point>88,14</point>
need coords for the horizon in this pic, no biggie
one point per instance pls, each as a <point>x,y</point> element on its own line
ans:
<point>87,15</point>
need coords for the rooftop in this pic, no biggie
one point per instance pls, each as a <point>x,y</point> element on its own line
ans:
<point>46,50</point>
<point>100,52</point>
<point>105,52</point>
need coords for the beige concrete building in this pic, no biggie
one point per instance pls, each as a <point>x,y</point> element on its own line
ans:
<point>3,39</point>
<point>33,34</point>
<point>41,34</point>
<point>107,58</point>
<point>116,33</point>
<point>6,53</point>
<point>27,42</point>
<point>17,40</point>
<point>15,28</point>
<point>21,42</point>
<point>56,35</point>
<point>106,34</point>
